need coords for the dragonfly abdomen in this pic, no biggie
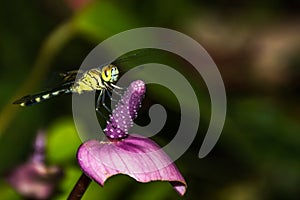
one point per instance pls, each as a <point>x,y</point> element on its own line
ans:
<point>40,97</point>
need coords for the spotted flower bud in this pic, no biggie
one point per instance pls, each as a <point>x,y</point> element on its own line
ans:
<point>125,112</point>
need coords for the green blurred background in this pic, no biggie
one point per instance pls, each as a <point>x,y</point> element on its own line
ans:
<point>256,46</point>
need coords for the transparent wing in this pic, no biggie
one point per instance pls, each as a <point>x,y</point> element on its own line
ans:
<point>70,76</point>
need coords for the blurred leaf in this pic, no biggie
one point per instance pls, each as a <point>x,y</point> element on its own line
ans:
<point>272,133</point>
<point>124,187</point>
<point>103,19</point>
<point>72,174</point>
<point>155,190</point>
<point>62,141</point>
<point>17,142</point>
<point>7,192</point>
<point>268,139</point>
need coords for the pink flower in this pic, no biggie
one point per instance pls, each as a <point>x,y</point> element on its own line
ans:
<point>133,155</point>
<point>34,179</point>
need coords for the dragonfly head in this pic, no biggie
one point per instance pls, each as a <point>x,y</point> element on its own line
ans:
<point>110,73</point>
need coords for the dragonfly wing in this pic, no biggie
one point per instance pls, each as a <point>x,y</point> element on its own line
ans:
<point>70,76</point>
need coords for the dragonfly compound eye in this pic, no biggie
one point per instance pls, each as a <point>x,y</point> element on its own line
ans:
<point>106,74</point>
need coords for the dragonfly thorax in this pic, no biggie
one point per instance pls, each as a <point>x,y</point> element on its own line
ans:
<point>96,79</point>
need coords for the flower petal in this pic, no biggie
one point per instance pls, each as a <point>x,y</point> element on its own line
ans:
<point>136,156</point>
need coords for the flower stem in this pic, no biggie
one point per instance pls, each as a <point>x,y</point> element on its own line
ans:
<point>80,187</point>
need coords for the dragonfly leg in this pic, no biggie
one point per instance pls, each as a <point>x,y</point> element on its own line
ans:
<point>102,115</point>
<point>99,102</point>
<point>117,87</point>
<point>110,96</point>
<point>118,90</point>
<point>103,101</point>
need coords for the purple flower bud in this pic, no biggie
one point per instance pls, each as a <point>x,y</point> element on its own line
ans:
<point>39,148</point>
<point>125,112</point>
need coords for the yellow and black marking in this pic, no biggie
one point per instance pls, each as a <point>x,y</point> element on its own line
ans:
<point>37,98</point>
<point>96,79</point>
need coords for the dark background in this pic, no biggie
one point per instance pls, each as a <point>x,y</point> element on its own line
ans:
<point>255,45</point>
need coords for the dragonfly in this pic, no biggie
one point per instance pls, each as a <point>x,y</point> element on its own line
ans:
<point>100,79</point>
